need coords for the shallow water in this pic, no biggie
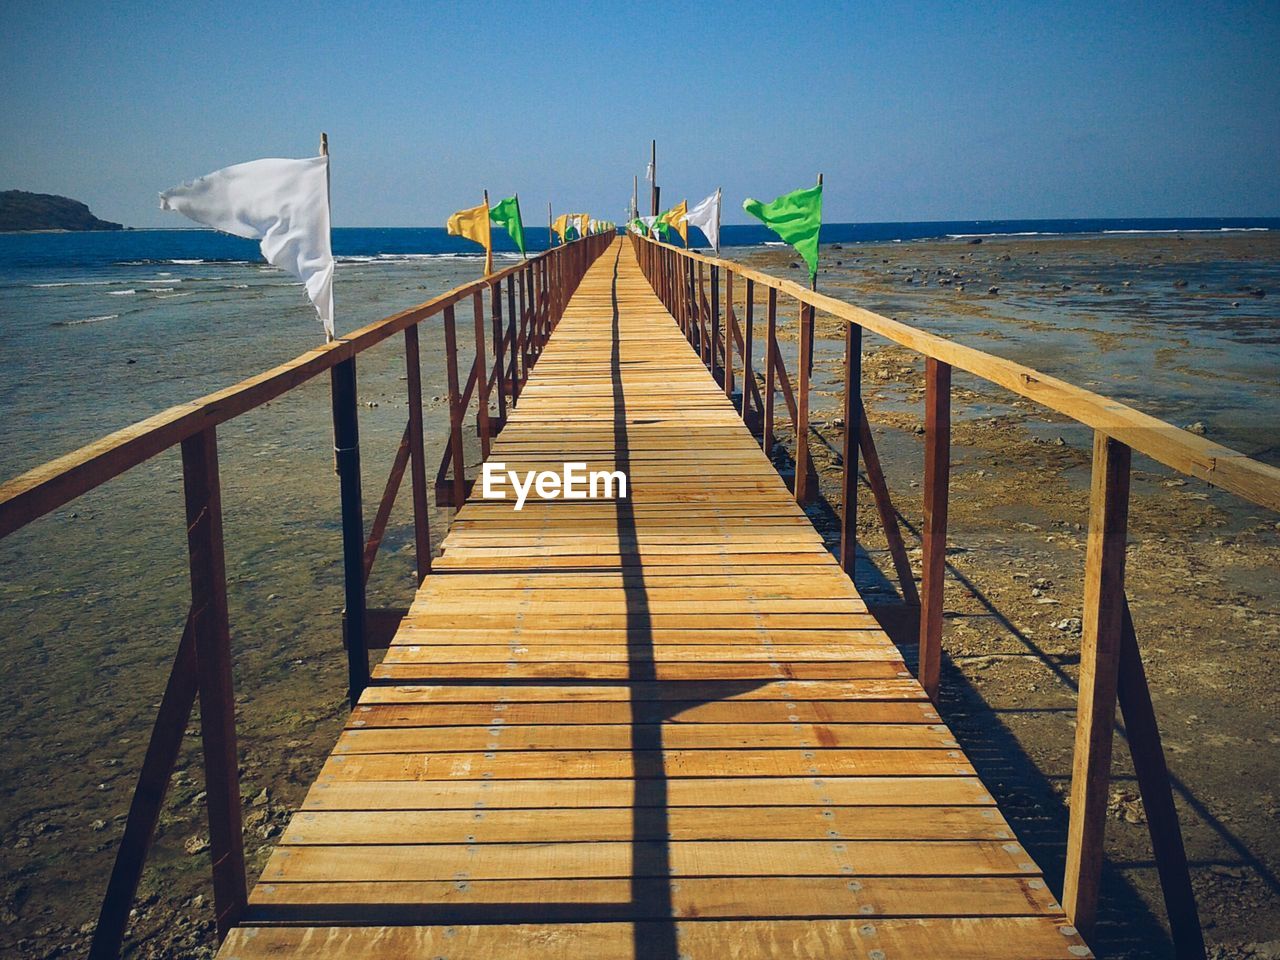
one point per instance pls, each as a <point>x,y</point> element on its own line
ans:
<point>1185,328</point>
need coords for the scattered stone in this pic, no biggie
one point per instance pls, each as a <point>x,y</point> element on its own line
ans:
<point>196,844</point>
<point>1071,625</point>
<point>993,289</point>
<point>1126,805</point>
<point>1198,428</point>
<point>1179,283</point>
<point>1231,873</point>
<point>99,825</point>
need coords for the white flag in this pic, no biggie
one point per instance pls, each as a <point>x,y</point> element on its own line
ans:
<point>649,225</point>
<point>284,204</point>
<point>648,172</point>
<point>706,217</point>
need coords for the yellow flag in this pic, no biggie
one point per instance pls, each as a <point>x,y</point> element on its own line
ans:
<point>561,225</point>
<point>473,224</point>
<point>676,219</point>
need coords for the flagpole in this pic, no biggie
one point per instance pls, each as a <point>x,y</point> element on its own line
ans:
<point>521,216</point>
<point>328,199</point>
<point>488,250</point>
<point>653,169</point>
<point>551,231</point>
<point>719,206</point>
<point>813,284</point>
<point>346,464</point>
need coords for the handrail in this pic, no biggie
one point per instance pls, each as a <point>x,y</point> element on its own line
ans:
<point>1185,452</point>
<point>1111,671</point>
<point>55,483</point>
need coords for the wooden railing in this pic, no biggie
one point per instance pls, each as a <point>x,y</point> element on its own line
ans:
<point>534,291</point>
<point>1111,668</point>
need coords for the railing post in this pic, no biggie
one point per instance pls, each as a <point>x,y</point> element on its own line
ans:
<point>512,334</point>
<point>715,317</point>
<point>1103,621</point>
<point>770,374</point>
<point>704,322</point>
<point>522,333</point>
<point>346,444</point>
<point>499,351</point>
<point>731,327</point>
<point>211,634</point>
<point>747,348</point>
<point>801,485</point>
<point>849,447</point>
<point>482,375</point>
<point>937,478</point>
<point>456,413</point>
<point>417,456</point>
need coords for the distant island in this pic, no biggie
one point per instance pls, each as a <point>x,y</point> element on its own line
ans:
<point>21,211</point>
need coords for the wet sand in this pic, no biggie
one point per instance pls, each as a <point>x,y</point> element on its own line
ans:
<point>94,598</point>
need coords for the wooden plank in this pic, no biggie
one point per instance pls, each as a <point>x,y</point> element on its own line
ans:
<point>698,736</point>
<point>509,901</point>
<point>685,792</point>
<point>1100,643</point>
<point>620,824</point>
<point>760,858</point>
<point>960,938</point>
<point>418,468</point>
<point>211,639</point>
<point>937,478</point>
<point>373,716</point>
<point>669,764</point>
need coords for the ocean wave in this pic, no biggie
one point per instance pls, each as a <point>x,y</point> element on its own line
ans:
<point>1200,230</point>
<point>181,262</point>
<point>503,255</point>
<point>75,283</point>
<point>171,296</point>
<point>121,293</point>
<point>1023,233</point>
<point>77,323</point>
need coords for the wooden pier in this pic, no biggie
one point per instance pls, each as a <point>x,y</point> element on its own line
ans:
<point>664,725</point>
<point>658,726</point>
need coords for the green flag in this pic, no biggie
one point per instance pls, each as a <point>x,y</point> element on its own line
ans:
<point>662,226</point>
<point>796,218</point>
<point>507,215</point>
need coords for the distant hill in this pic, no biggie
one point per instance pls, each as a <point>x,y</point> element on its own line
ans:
<point>20,210</point>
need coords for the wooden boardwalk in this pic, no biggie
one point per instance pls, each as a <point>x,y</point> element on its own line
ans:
<point>659,727</point>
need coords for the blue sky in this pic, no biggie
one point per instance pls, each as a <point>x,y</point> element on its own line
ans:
<point>913,111</point>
